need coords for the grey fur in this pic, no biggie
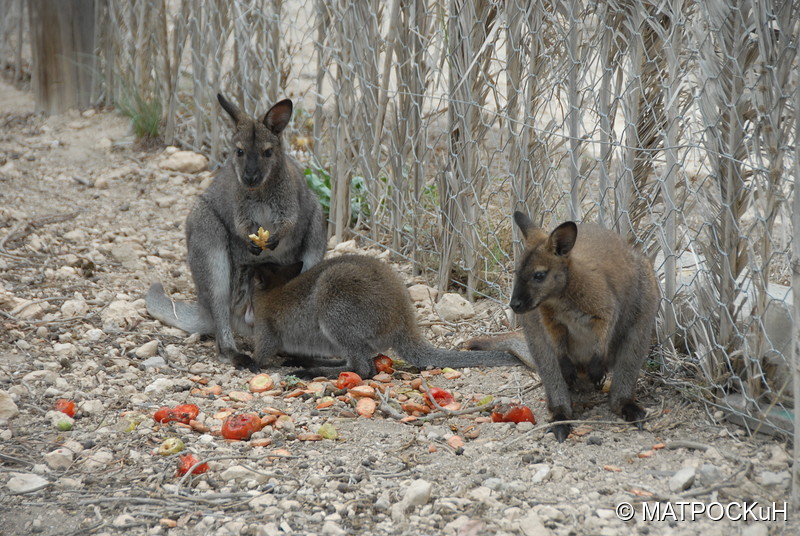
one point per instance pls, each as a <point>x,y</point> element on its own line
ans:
<point>258,186</point>
<point>351,307</point>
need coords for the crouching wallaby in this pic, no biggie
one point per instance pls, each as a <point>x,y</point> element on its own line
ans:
<point>351,308</point>
<point>587,303</point>
<point>259,186</point>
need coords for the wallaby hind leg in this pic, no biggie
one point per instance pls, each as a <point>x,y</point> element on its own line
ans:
<point>213,274</point>
<point>631,353</point>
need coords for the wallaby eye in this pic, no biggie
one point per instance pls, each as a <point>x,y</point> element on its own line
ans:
<point>539,276</point>
<point>239,152</point>
<point>268,153</point>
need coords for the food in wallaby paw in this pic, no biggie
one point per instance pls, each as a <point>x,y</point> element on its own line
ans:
<point>261,238</point>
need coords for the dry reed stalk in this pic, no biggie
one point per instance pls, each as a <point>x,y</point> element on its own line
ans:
<point>795,346</point>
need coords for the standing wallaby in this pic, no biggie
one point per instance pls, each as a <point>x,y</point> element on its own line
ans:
<point>352,308</point>
<point>259,186</point>
<point>587,302</point>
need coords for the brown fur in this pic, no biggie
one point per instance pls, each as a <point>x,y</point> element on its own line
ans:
<point>351,308</point>
<point>587,302</point>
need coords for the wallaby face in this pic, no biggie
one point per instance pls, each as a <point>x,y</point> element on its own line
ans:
<point>257,145</point>
<point>543,270</point>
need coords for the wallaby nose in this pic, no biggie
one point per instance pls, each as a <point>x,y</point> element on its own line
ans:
<point>516,305</point>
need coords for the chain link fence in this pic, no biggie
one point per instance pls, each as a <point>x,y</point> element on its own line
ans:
<point>425,124</point>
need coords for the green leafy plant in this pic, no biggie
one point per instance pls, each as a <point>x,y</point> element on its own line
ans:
<point>319,180</point>
<point>145,114</point>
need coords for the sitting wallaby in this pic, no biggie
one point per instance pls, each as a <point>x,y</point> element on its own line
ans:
<point>350,307</point>
<point>587,302</point>
<point>259,186</point>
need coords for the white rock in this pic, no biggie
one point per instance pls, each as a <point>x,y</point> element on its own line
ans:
<point>541,472</point>
<point>146,350</point>
<point>453,307</point>
<point>153,362</point>
<point>8,409</point>
<point>329,528</point>
<point>185,162</point>
<point>262,502</point>
<point>269,529</point>
<point>240,473</point>
<point>59,459</point>
<point>98,460</point>
<point>66,349</point>
<point>532,525</point>
<point>25,482</point>
<point>95,334</point>
<point>74,307</point>
<point>682,480</point>
<point>348,246</point>
<point>756,529</point>
<point>123,520</point>
<point>422,293</point>
<point>45,376</point>
<point>92,407</point>
<point>418,493</point>
<point>160,385</point>
<point>771,478</point>
<point>120,315</point>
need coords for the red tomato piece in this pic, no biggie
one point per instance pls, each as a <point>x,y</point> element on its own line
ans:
<point>65,406</point>
<point>513,413</point>
<point>383,363</point>
<point>186,463</point>
<point>348,380</point>
<point>241,426</point>
<point>185,413</point>
<point>441,396</point>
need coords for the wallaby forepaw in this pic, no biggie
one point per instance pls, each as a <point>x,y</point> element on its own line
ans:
<point>631,412</point>
<point>255,249</point>
<point>272,243</point>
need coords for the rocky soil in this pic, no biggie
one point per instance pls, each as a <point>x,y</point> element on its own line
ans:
<point>88,221</point>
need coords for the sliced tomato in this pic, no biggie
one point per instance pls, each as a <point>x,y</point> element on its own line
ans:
<point>513,413</point>
<point>441,396</point>
<point>348,380</point>
<point>383,363</point>
<point>65,406</point>
<point>186,463</point>
<point>182,413</point>
<point>241,426</point>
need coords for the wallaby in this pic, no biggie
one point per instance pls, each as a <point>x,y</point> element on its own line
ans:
<point>587,303</point>
<point>350,307</point>
<point>258,186</point>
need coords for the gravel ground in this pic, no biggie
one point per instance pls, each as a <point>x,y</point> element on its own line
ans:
<point>88,221</point>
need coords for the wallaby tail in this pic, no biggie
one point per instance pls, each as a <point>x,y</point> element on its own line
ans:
<point>423,354</point>
<point>512,342</point>
<point>188,316</point>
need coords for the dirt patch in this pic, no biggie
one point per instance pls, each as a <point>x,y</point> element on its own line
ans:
<point>87,222</point>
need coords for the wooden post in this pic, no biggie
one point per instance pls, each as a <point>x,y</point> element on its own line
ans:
<point>62,45</point>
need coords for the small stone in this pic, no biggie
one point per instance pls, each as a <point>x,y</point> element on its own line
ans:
<point>541,472</point>
<point>123,520</point>
<point>239,473</point>
<point>75,307</point>
<point>25,482</point>
<point>98,460</point>
<point>329,528</point>
<point>160,385</point>
<point>262,502</point>
<point>240,396</point>
<point>92,407</point>
<point>709,474</point>
<point>146,350</point>
<point>594,440</point>
<point>8,408</point>
<point>185,162</point>
<point>66,349</point>
<point>120,315</point>
<point>59,459</point>
<point>756,529</point>
<point>153,362</point>
<point>453,307</point>
<point>682,480</point>
<point>418,493</point>
<point>771,478</point>
<point>532,525</point>
<point>95,334</point>
<point>422,293</point>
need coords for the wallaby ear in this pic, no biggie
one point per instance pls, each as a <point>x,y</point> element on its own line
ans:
<point>233,111</point>
<point>563,237</point>
<point>523,222</point>
<point>278,116</point>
